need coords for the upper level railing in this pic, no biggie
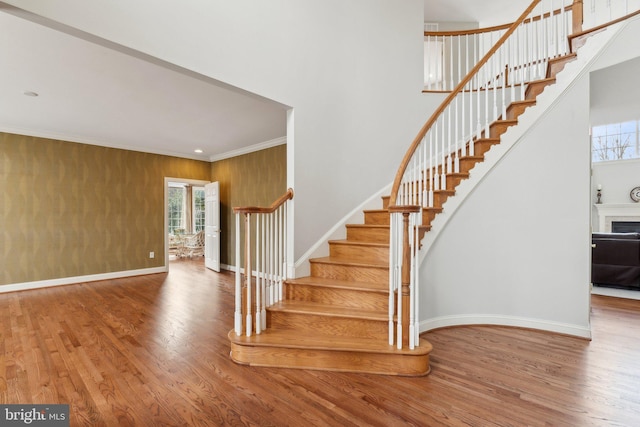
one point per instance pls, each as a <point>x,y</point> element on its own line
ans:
<point>450,55</point>
<point>267,228</point>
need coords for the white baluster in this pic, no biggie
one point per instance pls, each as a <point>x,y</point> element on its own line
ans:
<point>238,308</point>
<point>412,284</point>
<point>247,273</point>
<point>265,290</point>
<point>392,262</point>
<point>432,182</point>
<point>258,280</point>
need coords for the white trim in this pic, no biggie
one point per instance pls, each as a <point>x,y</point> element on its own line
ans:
<point>165,189</point>
<point>616,293</point>
<point>501,320</point>
<point>87,140</point>
<point>80,279</point>
<point>250,149</point>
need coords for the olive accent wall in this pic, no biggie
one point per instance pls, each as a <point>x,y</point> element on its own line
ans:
<point>70,209</point>
<point>254,179</point>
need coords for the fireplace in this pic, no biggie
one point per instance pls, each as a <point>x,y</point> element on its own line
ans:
<point>625,226</point>
<point>608,213</point>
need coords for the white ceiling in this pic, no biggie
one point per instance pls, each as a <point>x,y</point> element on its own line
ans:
<point>485,12</point>
<point>96,93</point>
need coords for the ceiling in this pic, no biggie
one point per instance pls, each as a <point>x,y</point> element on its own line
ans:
<point>487,13</point>
<point>92,92</point>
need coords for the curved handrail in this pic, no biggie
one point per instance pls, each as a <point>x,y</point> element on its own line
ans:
<point>603,26</point>
<point>423,131</point>
<point>268,209</point>
<point>493,28</point>
<point>468,32</point>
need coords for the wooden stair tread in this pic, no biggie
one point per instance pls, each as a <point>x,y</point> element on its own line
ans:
<point>376,211</point>
<point>341,284</point>
<point>302,307</point>
<point>285,339</point>
<point>343,261</point>
<point>522,101</point>
<point>369,226</point>
<point>358,243</point>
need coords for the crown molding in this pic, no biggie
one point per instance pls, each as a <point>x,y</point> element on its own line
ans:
<point>250,149</point>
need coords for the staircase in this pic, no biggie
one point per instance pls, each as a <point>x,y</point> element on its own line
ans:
<point>337,319</point>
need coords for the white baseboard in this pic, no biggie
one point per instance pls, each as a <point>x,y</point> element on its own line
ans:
<point>613,292</point>
<point>497,320</point>
<point>79,279</point>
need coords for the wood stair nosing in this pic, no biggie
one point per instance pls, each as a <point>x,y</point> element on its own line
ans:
<point>385,202</point>
<point>328,310</point>
<point>441,196</point>
<point>356,295</point>
<point>557,64</point>
<point>328,320</point>
<point>359,251</point>
<point>368,233</point>
<point>376,217</point>
<point>500,126</point>
<point>516,108</point>
<point>339,284</point>
<point>482,145</point>
<point>340,269</point>
<point>535,88</point>
<point>467,163</point>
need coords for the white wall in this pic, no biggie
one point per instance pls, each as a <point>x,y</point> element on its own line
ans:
<point>517,250</point>
<point>351,70</point>
<point>617,179</point>
<point>615,98</point>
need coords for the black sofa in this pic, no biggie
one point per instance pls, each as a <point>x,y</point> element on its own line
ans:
<point>615,260</point>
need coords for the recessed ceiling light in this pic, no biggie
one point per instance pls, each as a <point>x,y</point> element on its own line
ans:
<point>197,150</point>
<point>30,93</point>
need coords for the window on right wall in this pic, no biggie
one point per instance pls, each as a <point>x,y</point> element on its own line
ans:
<point>616,141</point>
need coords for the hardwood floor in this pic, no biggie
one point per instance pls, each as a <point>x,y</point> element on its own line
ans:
<point>153,351</point>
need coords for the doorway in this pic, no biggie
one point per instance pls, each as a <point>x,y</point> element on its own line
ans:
<point>192,221</point>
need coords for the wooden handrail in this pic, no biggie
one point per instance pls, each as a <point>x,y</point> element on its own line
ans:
<point>269,209</point>
<point>603,26</point>
<point>450,98</point>
<point>470,31</point>
<point>494,28</point>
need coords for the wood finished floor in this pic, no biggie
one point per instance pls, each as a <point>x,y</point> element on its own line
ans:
<point>153,351</point>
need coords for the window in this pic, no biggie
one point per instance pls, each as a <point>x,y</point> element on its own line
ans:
<point>617,141</point>
<point>177,214</point>
<point>198,209</point>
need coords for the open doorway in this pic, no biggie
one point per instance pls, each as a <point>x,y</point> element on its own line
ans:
<point>192,221</point>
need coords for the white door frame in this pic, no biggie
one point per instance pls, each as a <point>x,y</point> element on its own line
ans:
<point>167,180</point>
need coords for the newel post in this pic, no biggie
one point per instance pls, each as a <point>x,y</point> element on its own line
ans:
<point>578,16</point>
<point>406,278</point>
<point>404,302</point>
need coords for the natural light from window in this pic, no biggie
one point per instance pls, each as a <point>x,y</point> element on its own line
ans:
<point>616,141</point>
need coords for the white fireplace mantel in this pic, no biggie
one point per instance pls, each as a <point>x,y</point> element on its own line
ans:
<point>609,212</point>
